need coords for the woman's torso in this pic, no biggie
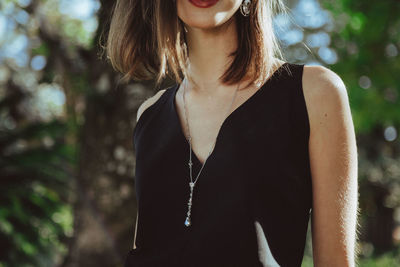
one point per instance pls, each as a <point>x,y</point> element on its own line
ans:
<point>252,201</point>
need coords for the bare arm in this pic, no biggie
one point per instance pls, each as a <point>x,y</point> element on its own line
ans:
<point>334,167</point>
<point>134,240</point>
<point>147,103</point>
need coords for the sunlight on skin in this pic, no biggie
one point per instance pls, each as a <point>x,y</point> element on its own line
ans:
<point>333,159</point>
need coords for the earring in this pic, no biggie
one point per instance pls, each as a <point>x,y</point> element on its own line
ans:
<point>245,7</point>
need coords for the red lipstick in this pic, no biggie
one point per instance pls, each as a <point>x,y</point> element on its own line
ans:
<point>203,3</point>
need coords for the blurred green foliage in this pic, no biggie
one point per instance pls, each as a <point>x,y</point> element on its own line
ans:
<point>367,40</point>
<point>35,220</point>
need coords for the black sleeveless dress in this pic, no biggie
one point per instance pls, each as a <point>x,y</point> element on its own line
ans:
<point>252,201</point>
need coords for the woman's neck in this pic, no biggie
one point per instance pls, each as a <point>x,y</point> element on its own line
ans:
<point>208,54</point>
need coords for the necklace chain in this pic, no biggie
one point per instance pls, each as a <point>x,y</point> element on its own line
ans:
<point>192,184</point>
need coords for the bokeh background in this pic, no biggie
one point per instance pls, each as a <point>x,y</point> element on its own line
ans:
<point>67,162</point>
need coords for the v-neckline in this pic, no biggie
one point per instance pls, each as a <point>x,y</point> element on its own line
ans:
<point>226,120</point>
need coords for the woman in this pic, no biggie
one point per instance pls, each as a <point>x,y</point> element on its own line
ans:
<point>233,159</point>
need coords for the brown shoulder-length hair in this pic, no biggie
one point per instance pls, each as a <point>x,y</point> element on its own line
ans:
<point>146,40</point>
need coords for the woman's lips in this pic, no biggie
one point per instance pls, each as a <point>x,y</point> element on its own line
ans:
<point>203,3</point>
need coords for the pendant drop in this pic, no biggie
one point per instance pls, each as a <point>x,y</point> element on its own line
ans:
<point>187,222</point>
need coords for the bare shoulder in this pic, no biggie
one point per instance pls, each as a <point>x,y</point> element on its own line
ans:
<point>148,102</point>
<point>325,94</point>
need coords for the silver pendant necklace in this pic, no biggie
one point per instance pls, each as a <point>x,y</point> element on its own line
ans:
<point>188,221</point>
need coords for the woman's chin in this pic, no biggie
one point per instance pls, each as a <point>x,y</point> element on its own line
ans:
<point>207,18</point>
